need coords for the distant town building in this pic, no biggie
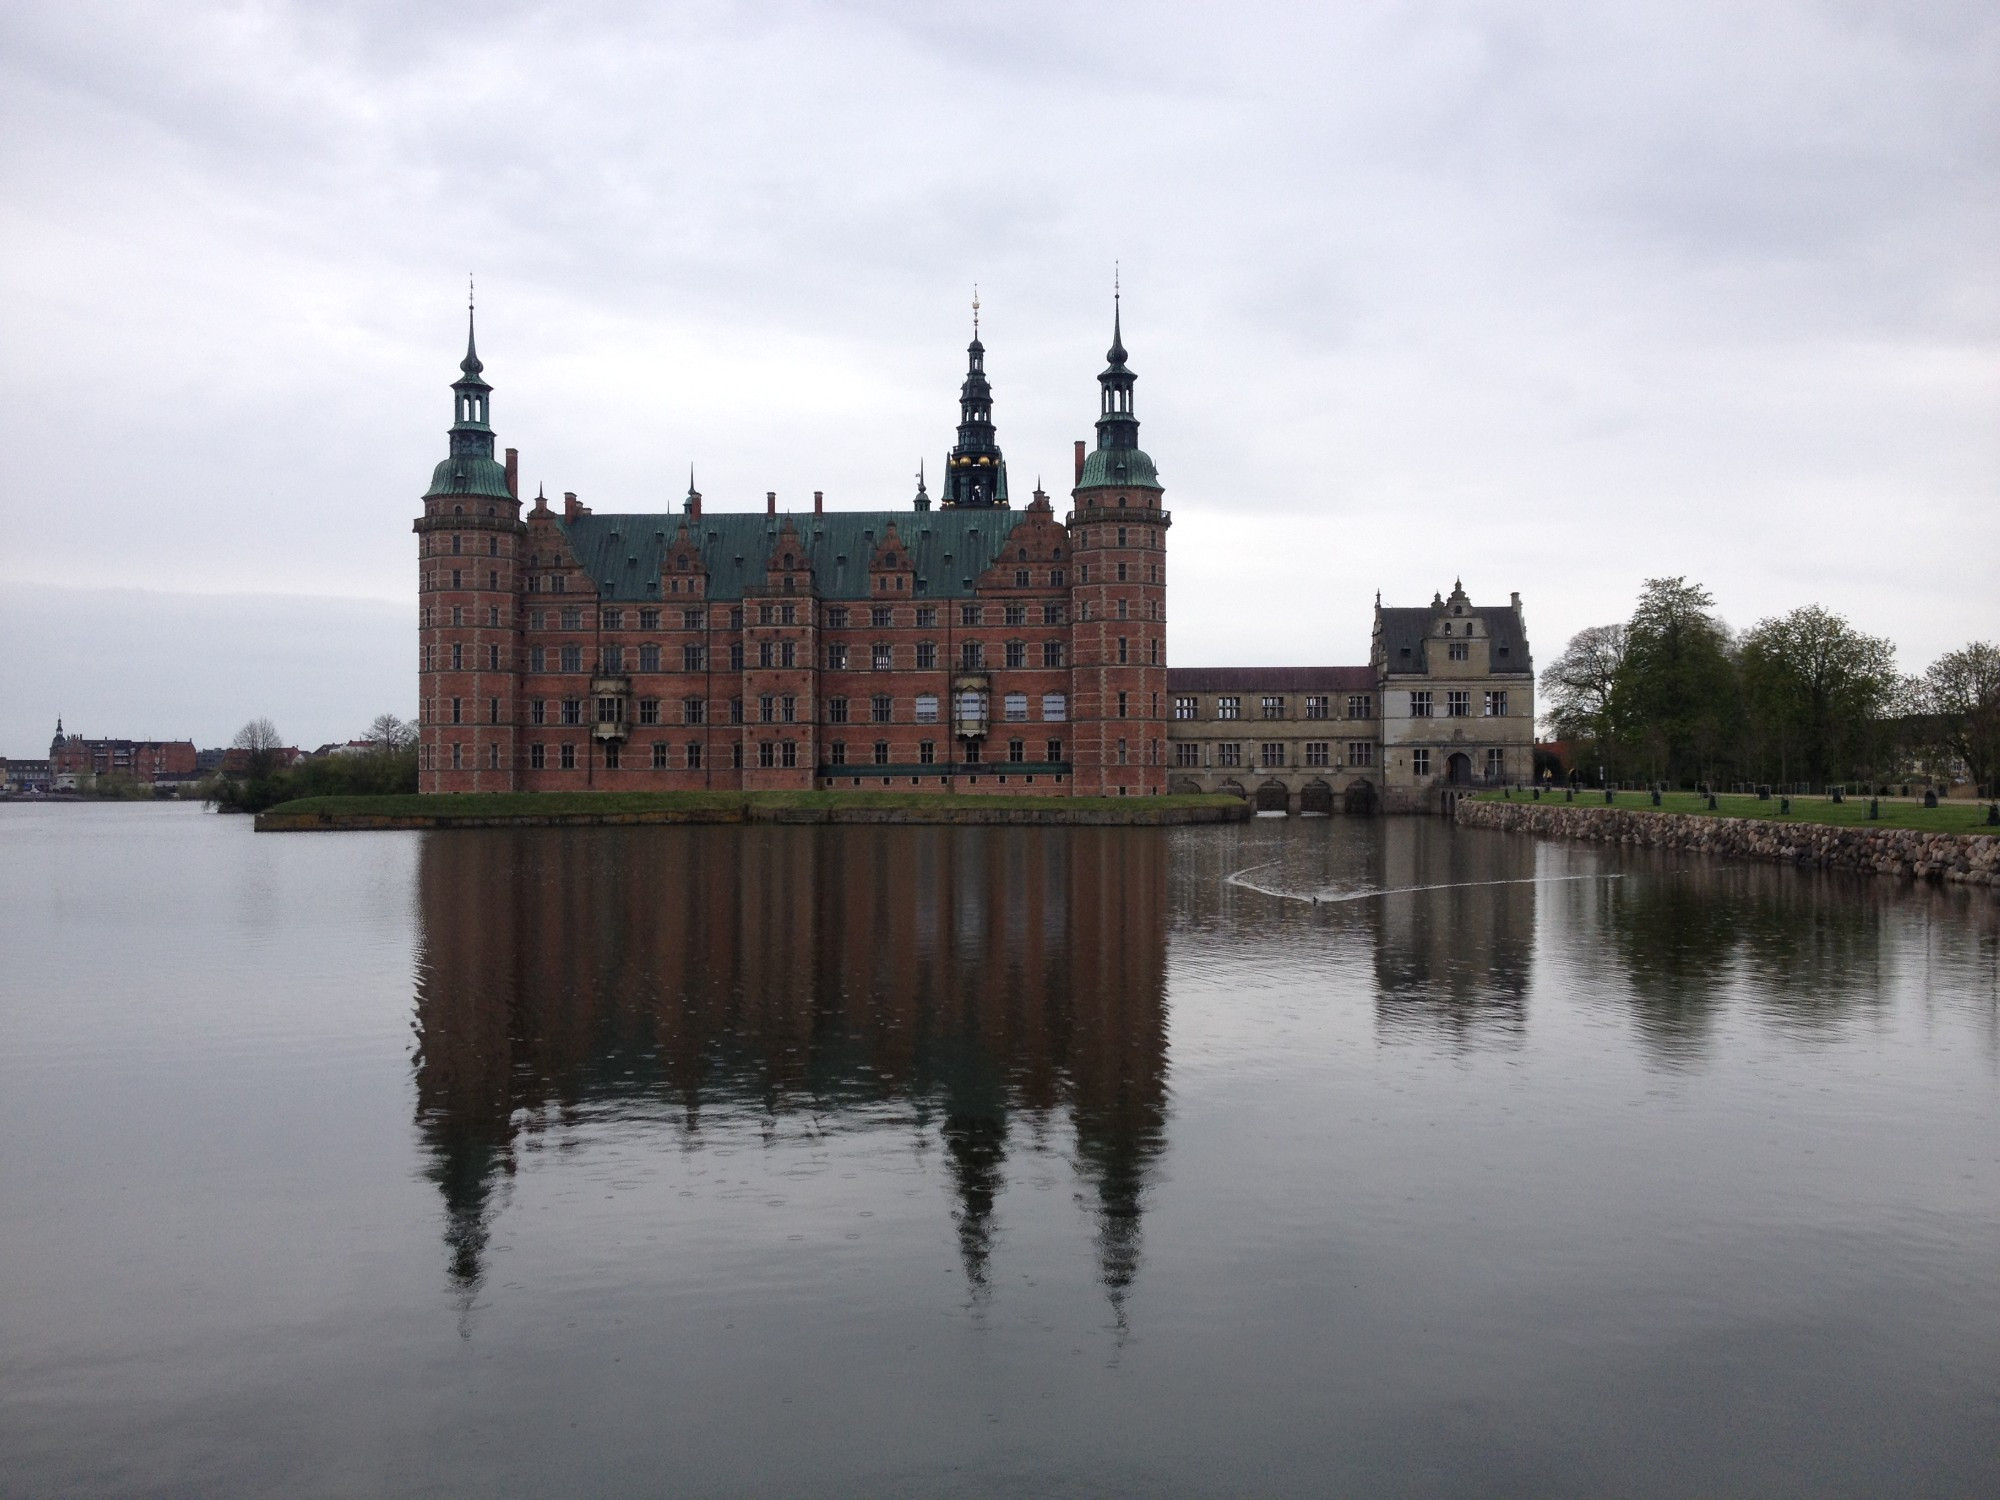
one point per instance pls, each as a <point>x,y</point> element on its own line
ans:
<point>74,755</point>
<point>28,776</point>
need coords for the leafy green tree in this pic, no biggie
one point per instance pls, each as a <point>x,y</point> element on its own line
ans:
<point>1579,689</point>
<point>1677,686</point>
<point>1961,696</point>
<point>1817,695</point>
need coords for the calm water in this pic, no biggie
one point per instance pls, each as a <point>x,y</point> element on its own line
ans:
<point>985,1162</point>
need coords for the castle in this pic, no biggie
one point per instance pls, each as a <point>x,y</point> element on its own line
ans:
<point>962,645</point>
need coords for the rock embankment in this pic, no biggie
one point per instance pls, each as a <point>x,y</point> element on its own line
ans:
<point>1962,858</point>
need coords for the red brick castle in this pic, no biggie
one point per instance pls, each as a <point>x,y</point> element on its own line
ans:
<point>968,647</point>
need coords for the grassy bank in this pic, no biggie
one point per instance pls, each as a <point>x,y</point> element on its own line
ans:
<point>1946,817</point>
<point>489,809</point>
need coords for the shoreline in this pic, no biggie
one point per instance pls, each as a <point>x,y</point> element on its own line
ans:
<point>620,810</point>
<point>1907,853</point>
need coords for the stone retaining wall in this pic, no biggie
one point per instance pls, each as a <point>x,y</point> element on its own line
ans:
<point>1963,858</point>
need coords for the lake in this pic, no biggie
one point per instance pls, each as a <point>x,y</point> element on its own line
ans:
<point>1297,1156</point>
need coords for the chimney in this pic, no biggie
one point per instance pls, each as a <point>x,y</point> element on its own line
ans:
<point>1079,460</point>
<point>819,502</point>
<point>1517,598</point>
<point>571,510</point>
<point>514,472</point>
<point>770,502</point>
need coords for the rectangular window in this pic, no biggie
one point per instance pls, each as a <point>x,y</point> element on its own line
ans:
<point>837,753</point>
<point>1121,572</point>
<point>883,656</point>
<point>836,657</point>
<point>614,619</point>
<point>926,615</point>
<point>457,656</point>
<point>1121,743</point>
<point>1016,708</point>
<point>735,656</point>
<point>969,614</point>
<point>1123,642</point>
<point>926,752</point>
<point>1274,706</point>
<point>693,619</point>
<point>1016,614</point>
<point>788,614</point>
<point>455,711</point>
<point>1420,705</point>
<point>568,757</point>
<point>879,708</point>
<point>788,753</point>
<point>1187,708</point>
<point>1496,705</point>
<point>1052,653</point>
<point>788,709</point>
<point>659,755</point>
<point>538,711</point>
<point>1227,754</point>
<point>1420,762</point>
<point>767,614</point>
<point>1318,753</point>
<point>1055,707</point>
<point>572,618</point>
<point>788,653</point>
<point>694,658</point>
<point>1017,751</point>
<point>649,619</point>
<point>694,755</point>
<point>1361,753</point>
<point>1229,707</point>
<point>1123,698</point>
<point>572,658</point>
<point>836,617</point>
<point>693,710</point>
<point>1020,578</point>
<point>1055,582</point>
<point>1186,754</point>
<point>972,654</point>
<point>767,753</point>
<point>1054,752</point>
<point>736,623</point>
<point>927,656</point>
<point>1317,705</point>
<point>1458,704</point>
<point>537,757</point>
<point>1360,705</point>
<point>1458,651</point>
<point>535,659</point>
<point>736,710</point>
<point>649,710</point>
<point>767,653</point>
<point>649,658</point>
<point>611,755</point>
<point>767,709</point>
<point>1017,654</point>
<point>972,752</point>
<point>836,710</point>
<point>1496,764</point>
<point>927,708</point>
<point>881,617</point>
<point>610,710</point>
<point>1271,754</point>
<point>493,658</point>
<point>613,659</point>
<point>493,710</point>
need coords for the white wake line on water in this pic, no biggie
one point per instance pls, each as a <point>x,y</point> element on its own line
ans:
<point>1322,896</point>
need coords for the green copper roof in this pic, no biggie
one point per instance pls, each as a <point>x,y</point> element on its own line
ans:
<point>469,474</point>
<point>1116,466</point>
<point>950,549</point>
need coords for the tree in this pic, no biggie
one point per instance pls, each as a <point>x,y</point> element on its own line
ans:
<point>1578,688</point>
<point>390,734</point>
<point>1677,685</point>
<point>260,740</point>
<point>1818,693</point>
<point>1961,692</point>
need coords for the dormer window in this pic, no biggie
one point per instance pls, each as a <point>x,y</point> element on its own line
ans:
<point>889,561</point>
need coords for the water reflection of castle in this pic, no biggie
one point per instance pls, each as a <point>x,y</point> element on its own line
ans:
<point>989,977</point>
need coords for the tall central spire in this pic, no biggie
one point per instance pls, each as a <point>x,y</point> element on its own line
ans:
<point>975,473</point>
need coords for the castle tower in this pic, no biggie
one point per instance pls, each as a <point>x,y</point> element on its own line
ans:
<point>1119,544</point>
<point>468,551</point>
<point>975,473</point>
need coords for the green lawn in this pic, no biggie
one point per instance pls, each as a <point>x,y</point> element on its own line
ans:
<point>1946,817</point>
<point>501,804</point>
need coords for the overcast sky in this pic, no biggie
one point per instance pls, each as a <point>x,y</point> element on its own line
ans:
<point>1553,297</point>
